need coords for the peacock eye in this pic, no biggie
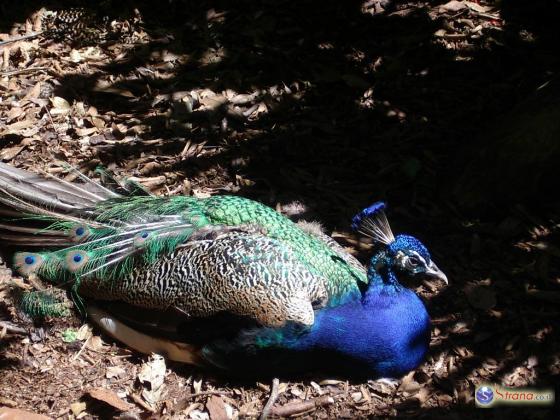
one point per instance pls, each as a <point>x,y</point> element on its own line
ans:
<point>413,262</point>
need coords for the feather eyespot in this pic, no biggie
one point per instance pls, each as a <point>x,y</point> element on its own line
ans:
<point>75,260</point>
<point>141,238</point>
<point>79,233</point>
<point>27,263</point>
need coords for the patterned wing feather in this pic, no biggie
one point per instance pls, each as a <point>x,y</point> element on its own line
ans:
<point>240,273</point>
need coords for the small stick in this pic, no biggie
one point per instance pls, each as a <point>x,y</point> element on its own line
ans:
<point>141,403</point>
<point>21,71</point>
<point>81,350</point>
<point>301,407</point>
<point>21,38</point>
<point>12,328</point>
<point>271,400</point>
<point>197,394</point>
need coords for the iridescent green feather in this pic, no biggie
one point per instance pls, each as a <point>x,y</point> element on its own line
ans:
<point>40,304</point>
<point>113,251</point>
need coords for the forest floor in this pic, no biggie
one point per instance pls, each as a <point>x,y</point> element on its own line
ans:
<point>333,104</point>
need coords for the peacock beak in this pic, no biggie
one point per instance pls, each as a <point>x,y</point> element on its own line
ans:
<point>434,272</point>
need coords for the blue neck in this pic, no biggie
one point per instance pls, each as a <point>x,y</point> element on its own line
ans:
<point>382,279</point>
<point>386,333</point>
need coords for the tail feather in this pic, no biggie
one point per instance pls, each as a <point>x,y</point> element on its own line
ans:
<point>26,191</point>
<point>86,229</point>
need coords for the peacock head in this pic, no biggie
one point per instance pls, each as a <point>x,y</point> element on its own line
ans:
<point>400,254</point>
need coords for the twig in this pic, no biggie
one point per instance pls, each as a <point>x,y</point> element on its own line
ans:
<point>12,328</point>
<point>52,123</point>
<point>21,71</point>
<point>197,394</point>
<point>21,38</point>
<point>301,407</point>
<point>141,403</point>
<point>271,399</point>
<point>488,16</point>
<point>82,349</point>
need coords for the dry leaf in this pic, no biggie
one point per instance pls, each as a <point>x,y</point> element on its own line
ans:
<point>198,415</point>
<point>152,376</point>
<point>75,56</point>
<point>18,127</point>
<point>106,87</point>
<point>422,396</point>
<point>95,343</point>
<point>452,6</point>
<point>60,104</point>
<point>82,132</point>
<point>356,396</point>
<point>115,372</point>
<point>14,113</point>
<point>216,408</point>
<point>409,384</point>
<point>16,414</point>
<point>477,7</point>
<point>8,153</point>
<point>213,102</point>
<point>78,407</point>
<point>34,92</point>
<point>84,332</point>
<point>109,397</point>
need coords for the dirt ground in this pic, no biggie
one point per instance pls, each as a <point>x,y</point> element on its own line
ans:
<point>334,104</point>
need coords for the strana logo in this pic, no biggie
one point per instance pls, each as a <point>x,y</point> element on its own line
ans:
<point>491,395</point>
<point>484,395</point>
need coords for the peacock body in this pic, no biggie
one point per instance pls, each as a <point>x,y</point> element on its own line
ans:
<point>227,281</point>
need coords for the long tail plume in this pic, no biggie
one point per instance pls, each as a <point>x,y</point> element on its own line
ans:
<point>84,229</point>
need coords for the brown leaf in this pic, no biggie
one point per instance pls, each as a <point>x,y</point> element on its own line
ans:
<point>477,7</point>
<point>106,87</point>
<point>213,102</point>
<point>60,104</point>
<point>86,131</point>
<point>14,113</point>
<point>422,396</point>
<point>216,408</point>
<point>78,407</point>
<point>34,92</point>
<point>16,414</point>
<point>452,6</point>
<point>18,127</point>
<point>152,376</point>
<point>95,343</point>
<point>9,153</point>
<point>115,372</point>
<point>109,397</point>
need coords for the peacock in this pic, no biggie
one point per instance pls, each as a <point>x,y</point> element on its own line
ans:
<point>222,282</point>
